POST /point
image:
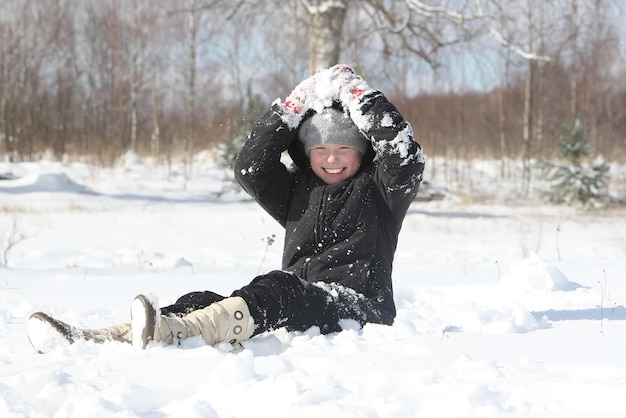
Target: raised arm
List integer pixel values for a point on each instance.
(258, 168)
(400, 158)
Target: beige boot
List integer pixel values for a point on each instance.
(47, 333)
(228, 320)
(119, 332)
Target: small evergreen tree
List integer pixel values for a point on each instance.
(577, 180)
(227, 151)
(229, 147)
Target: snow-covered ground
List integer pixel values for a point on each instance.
(505, 310)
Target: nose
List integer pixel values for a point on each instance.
(333, 157)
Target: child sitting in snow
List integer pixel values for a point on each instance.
(357, 171)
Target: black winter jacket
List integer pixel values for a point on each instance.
(344, 233)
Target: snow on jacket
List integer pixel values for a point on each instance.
(344, 233)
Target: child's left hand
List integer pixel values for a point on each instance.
(350, 86)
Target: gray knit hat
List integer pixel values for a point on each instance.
(331, 126)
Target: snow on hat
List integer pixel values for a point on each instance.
(331, 126)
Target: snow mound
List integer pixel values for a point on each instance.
(130, 160)
(500, 318)
(7, 176)
(43, 182)
(535, 275)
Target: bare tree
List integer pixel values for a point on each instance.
(155, 136)
(407, 24)
(100, 77)
(22, 53)
(326, 20)
(10, 236)
(135, 46)
(6, 75)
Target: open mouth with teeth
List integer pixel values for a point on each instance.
(334, 170)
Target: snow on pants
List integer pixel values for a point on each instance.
(281, 299)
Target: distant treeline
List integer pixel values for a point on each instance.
(101, 77)
(505, 123)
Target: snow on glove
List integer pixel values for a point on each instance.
(296, 102)
(339, 83)
(350, 86)
(311, 93)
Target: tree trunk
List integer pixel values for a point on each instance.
(326, 24)
(189, 133)
(575, 64)
(134, 83)
(6, 65)
(529, 123)
(155, 139)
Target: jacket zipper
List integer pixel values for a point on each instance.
(317, 229)
(319, 216)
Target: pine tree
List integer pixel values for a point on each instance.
(578, 179)
(229, 147)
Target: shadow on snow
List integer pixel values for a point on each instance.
(593, 314)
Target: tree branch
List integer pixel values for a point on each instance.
(498, 37)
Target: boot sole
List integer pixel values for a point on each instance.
(143, 315)
(46, 333)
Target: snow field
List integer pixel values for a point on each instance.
(503, 310)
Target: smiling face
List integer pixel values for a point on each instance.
(333, 163)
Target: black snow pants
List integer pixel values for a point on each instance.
(281, 299)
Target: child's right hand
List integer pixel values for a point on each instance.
(298, 100)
